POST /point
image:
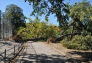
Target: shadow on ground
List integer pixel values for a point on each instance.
(42, 58)
(33, 58)
(85, 56)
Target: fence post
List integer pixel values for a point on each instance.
(5, 56)
(14, 49)
(18, 47)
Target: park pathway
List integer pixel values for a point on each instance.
(38, 52)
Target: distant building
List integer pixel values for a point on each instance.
(5, 27)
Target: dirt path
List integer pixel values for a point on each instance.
(38, 52)
(74, 56)
(9, 47)
(41, 52)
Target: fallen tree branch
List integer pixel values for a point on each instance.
(65, 35)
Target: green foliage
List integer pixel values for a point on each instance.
(36, 29)
(88, 25)
(48, 7)
(15, 15)
(79, 42)
(69, 30)
(81, 14)
(81, 11)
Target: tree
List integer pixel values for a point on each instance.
(81, 14)
(15, 15)
(47, 7)
(37, 29)
(81, 20)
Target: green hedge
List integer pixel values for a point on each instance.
(79, 42)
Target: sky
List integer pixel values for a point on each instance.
(27, 9)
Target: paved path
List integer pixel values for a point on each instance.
(38, 52)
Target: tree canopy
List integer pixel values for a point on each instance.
(16, 16)
(81, 14)
(37, 29)
(48, 7)
(81, 11)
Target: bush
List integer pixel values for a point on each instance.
(79, 42)
(38, 30)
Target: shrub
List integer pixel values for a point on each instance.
(38, 30)
(79, 42)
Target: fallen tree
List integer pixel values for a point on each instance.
(66, 35)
